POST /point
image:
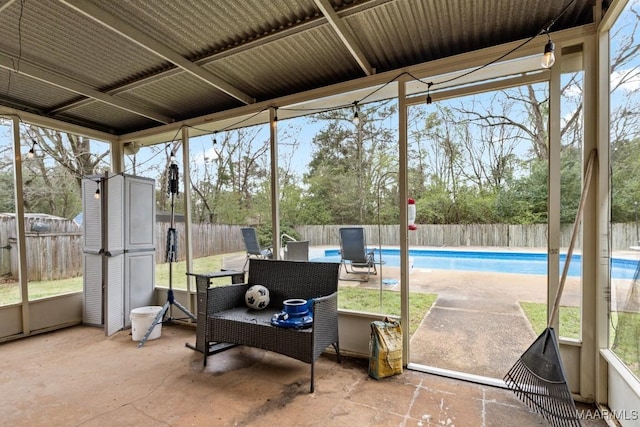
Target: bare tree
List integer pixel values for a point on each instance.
(225, 187)
(53, 172)
(72, 152)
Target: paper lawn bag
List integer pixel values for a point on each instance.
(385, 348)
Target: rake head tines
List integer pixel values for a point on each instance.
(538, 379)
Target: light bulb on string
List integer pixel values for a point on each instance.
(274, 123)
(97, 193)
(356, 117)
(429, 100)
(32, 151)
(214, 153)
(549, 57)
(172, 157)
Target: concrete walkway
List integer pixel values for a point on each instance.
(476, 324)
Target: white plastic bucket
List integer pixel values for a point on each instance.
(142, 319)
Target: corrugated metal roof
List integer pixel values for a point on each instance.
(108, 116)
(32, 95)
(131, 65)
(290, 65)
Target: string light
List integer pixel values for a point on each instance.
(214, 154)
(97, 193)
(549, 57)
(356, 118)
(32, 151)
(548, 61)
(274, 124)
(172, 157)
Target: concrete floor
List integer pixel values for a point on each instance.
(77, 377)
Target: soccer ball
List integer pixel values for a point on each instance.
(257, 297)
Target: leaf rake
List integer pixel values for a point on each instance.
(538, 377)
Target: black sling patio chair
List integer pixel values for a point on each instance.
(354, 254)
(252, 246)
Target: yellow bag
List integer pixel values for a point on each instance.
(385, 349)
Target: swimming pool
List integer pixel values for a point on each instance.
(491, 261)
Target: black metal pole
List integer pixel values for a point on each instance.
(171, 256)
(173, 190)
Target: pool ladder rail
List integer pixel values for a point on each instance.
(294, 252)
(284, 238)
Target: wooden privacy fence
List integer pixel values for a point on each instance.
(52, 256)
(58, 254)
(206, 240)
(52, 247)
(623, 235)
(499, 235)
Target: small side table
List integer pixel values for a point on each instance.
(203, 282)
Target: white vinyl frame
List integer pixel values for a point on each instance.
(554, 195)
(616, 388)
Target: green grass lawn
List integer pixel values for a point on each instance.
(349, 298)
(200, 265)
(10, 291)
(624, 338)
(624, 330)
(569, 319)
(368, 300)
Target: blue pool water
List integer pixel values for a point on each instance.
(498, 262)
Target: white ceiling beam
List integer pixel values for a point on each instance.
(25, 68)
(155, 47)
(47, 122)
(346, 36)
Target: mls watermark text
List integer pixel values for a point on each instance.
(606, 414)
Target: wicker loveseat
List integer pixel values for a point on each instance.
(228, 320)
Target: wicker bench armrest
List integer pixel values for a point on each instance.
(325, 307)
(325, 324)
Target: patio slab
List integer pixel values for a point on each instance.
(77, 376)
